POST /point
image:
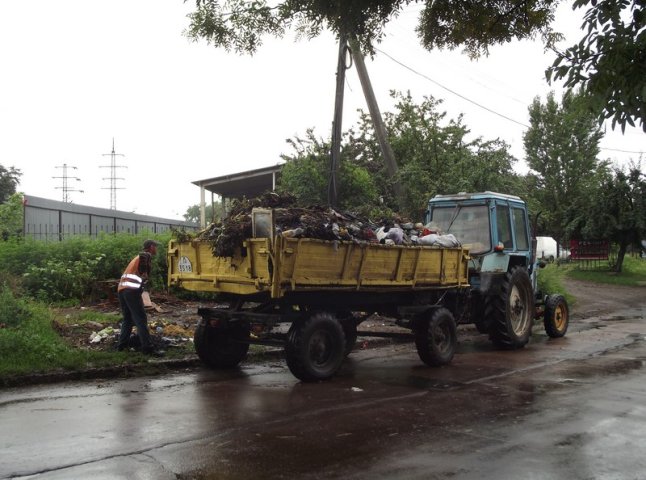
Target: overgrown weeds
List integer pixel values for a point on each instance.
(74, 268)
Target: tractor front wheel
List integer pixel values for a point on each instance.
(556, 317)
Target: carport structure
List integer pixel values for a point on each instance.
(249, 184)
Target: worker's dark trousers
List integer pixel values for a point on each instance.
(134, 314)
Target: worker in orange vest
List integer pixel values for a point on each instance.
(131, 286)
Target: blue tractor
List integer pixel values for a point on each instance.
(504, 299)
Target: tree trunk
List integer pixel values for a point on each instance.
(620, 256)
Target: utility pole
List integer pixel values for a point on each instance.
(375, 114)
(335, 148)
(65, 187)
(113, 176)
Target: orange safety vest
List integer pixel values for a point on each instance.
(131, 277)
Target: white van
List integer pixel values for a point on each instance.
(546, 249)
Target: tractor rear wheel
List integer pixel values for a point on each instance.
(511, 312)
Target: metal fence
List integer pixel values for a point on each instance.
(51, 220)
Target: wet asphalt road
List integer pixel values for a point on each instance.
(572, 408)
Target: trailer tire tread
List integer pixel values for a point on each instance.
(315, 347)
(436, 337)
(221, 349)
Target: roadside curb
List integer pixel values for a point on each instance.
(153, 367)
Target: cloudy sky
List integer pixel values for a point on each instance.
(77, 74)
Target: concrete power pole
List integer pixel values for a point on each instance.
(375, 114)
(65, 187)
(113, 176)
(335, 148)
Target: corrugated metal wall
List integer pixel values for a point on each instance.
(51, 220)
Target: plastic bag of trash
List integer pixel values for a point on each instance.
(97, 337)
(390, 236)
(447, 240)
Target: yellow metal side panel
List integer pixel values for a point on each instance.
(429, 268)
(380, 264)
(409, 264)
(312, 262)
(204, 272)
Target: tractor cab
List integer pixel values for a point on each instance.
(493, 226)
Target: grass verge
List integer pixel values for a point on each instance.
(551, 281)
(30, 344)
(33, 346)
(633, 273)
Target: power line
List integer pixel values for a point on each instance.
(426, 77)
(622, 151)
(452, 91)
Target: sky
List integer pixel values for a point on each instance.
(77, 75)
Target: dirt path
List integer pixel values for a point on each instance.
(594, 299)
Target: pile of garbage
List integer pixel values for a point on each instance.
(317, 222)
(165, 333)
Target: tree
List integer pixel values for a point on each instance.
(433, 154)
(609, 63)
(239, 25)
(305, 175)
(561, 146)
(434, 157)
(617, 211)
(9, 180)
(11, 217)
(212, 212)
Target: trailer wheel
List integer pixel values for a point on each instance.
(221, 348)
(315, 347)
(557, 316)
(436, 338)
(511, 312)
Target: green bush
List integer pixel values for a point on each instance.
(12, 310)
(59, 280)
(71, 269)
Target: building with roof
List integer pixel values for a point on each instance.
(52, 220)
(249, 184)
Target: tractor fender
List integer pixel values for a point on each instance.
(495, 263)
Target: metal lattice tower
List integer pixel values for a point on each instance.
(113, 176)
(65, 187)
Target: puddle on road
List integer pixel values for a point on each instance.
(431, 383)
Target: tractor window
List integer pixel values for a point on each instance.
(504, 225)
(469, 224)
(520, 229)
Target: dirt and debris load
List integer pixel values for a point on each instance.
(316, 221)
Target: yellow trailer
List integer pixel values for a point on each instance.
(280, 266)
(309, 296)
